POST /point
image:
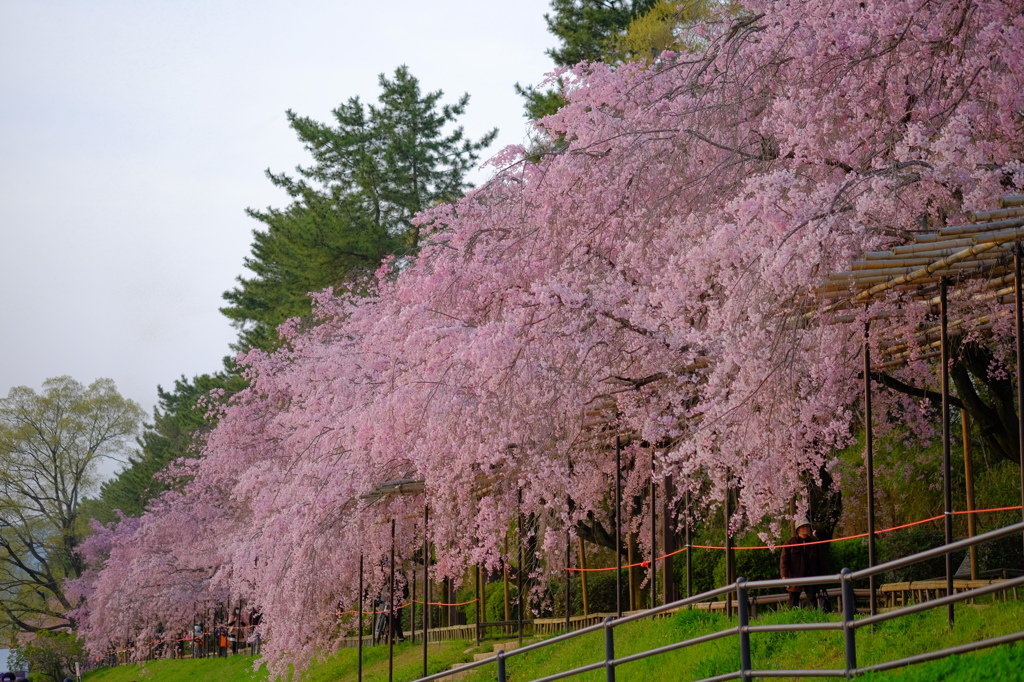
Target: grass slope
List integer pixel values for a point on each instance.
(891, 640)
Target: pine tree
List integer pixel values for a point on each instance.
(374, 167)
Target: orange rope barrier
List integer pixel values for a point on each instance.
(645, 564)
(409, 603)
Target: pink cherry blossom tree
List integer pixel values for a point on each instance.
(641, 275)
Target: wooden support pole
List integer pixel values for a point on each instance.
(869, 460)
(479, 603)
(631, 572)
(618, 525)
(504, 566)
(669, 593)
(568, 579)
(689, 550)
(946, 439)
(359, 677)
(654, 538)
(1018, 254)
(392, 611)
(412, 606)
(583, 576)
(426, 586)
(969, 483)
(727, 515)
(522, 566)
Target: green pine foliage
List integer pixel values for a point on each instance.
(374, 167)
(178, 421)
(588, 29)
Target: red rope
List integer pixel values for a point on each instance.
(645, 564)
(408, 604)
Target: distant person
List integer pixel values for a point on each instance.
(255, 617)
(802, 557)
(195, 645)
(236, 630)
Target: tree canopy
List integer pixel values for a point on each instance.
(50, 446)
(643, 279)
(180, 419)
(375, 166)
(588, 29)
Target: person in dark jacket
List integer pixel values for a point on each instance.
(803, 557)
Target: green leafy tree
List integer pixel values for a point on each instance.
(177, 423)
(374, 167)
(665, 26)
(51, 444)
(49, 656)
(587, 30)
(613, 31)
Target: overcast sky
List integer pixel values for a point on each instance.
(134, 134)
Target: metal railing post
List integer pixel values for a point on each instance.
(744, 618)
(849, 610)
(501, 666)
(609, 650)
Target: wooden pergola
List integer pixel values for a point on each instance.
(987, 252)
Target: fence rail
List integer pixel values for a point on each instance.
(743, 630)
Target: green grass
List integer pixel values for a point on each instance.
(894, 639)
(341, 666)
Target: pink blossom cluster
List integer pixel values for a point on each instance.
(638, 275)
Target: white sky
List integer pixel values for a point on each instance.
(134, 134)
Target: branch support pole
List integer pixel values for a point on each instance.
(946, 439)
(654, 538)
(1018, 253)
(426, 584)
(869, 456)
(360, 644)
(618, 526)
(391, 613)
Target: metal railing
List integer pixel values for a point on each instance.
(743, 629)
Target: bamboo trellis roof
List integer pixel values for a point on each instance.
(981, 250)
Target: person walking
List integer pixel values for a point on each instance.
(802, 557)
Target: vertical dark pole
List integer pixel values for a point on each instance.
(476, 573)
(849, 610)
(583, 575)
(522, 569)
(504, 579)
(412, 606)
(869, 455)
(391, 612)
(618, 526)
(669, 592)
(426, 586)
(360, 644)
(1019, 306)
(947, 492)
(728, 542)
(568, 575)
(609, 649)
(449, 611)
(654, 538)
(373, 621)
(744, 622)
(501, 666)
(965, 429)
(689, 550)
(483, 601)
